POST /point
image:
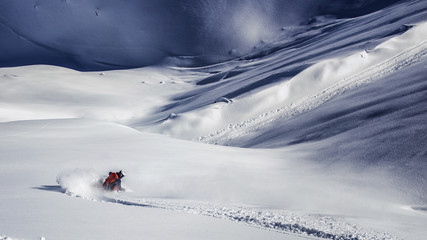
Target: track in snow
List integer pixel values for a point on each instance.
(279, 220)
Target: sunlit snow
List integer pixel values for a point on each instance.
(233, 119)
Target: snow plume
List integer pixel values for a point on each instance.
(81, 183)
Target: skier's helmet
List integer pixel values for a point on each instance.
(122, 173)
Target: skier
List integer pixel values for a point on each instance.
(113, 182)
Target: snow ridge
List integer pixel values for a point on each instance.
(403, 59)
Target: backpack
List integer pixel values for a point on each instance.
(110, 180)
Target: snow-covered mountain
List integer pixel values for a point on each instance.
(104, 34)
(319, 106)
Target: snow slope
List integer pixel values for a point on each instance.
(98, 35)
(35, 153)
(321, 112)
(164, 175)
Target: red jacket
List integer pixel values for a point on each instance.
(108, 183)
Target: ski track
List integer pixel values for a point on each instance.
(278, 220)
(322, 226)
(387, 67)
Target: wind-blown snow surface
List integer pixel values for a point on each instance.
(105, 34)
(330, 114)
